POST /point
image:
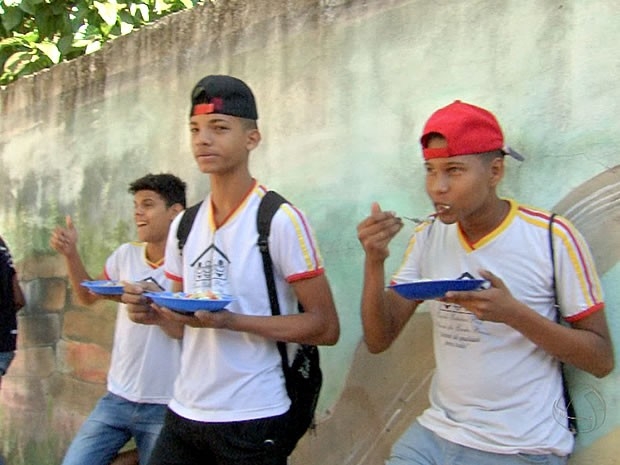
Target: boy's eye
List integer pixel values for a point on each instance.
(144, 205)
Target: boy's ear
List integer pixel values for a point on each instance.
(497, 170)
(175, 209)
(253, 139)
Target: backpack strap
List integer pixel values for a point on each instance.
(185, 225)
(570, 408)
(553, 283)
(268, 207)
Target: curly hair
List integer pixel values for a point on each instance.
(170, 187)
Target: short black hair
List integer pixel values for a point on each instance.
(488, 157)
(170, 187)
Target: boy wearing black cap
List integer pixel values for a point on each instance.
(498, 351)
(230, 399)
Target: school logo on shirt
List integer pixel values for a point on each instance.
(211, 270)
(458, 327)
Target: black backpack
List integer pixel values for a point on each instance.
(303, 377)
(8, 304)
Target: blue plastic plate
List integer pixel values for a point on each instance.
(104, 287)
(179, 302)
(424, 290)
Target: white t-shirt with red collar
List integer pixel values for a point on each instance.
(228, 375)
(494, 389)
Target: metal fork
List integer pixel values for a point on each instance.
(420, 220)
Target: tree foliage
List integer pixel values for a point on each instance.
(36, 34)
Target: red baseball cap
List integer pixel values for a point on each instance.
(468, 130)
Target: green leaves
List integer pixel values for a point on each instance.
(35, 34)
(11, 17)
(109, 11)
(50, 50)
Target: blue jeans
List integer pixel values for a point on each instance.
(5, 360)
(420, 446)
(110, 425)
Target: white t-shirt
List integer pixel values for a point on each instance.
(145, 360)
(228, 375)
(493, 389)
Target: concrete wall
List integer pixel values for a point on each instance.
(343, 88)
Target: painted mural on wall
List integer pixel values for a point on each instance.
(342, 90)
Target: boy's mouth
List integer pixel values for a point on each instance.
(442, 208)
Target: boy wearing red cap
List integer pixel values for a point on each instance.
(498, 351)
(230, 400)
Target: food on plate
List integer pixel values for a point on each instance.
(208, 294)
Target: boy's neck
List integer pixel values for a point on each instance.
(491, 217)
(155, 251)
(227, 193)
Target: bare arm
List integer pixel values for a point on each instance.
(318, 324)
(64, 241)
(384, 313)
(585, 345)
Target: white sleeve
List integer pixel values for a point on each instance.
(293, 246)
(577, 282)
(173, 261)
(114, 264)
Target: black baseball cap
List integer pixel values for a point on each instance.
(225, 95)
